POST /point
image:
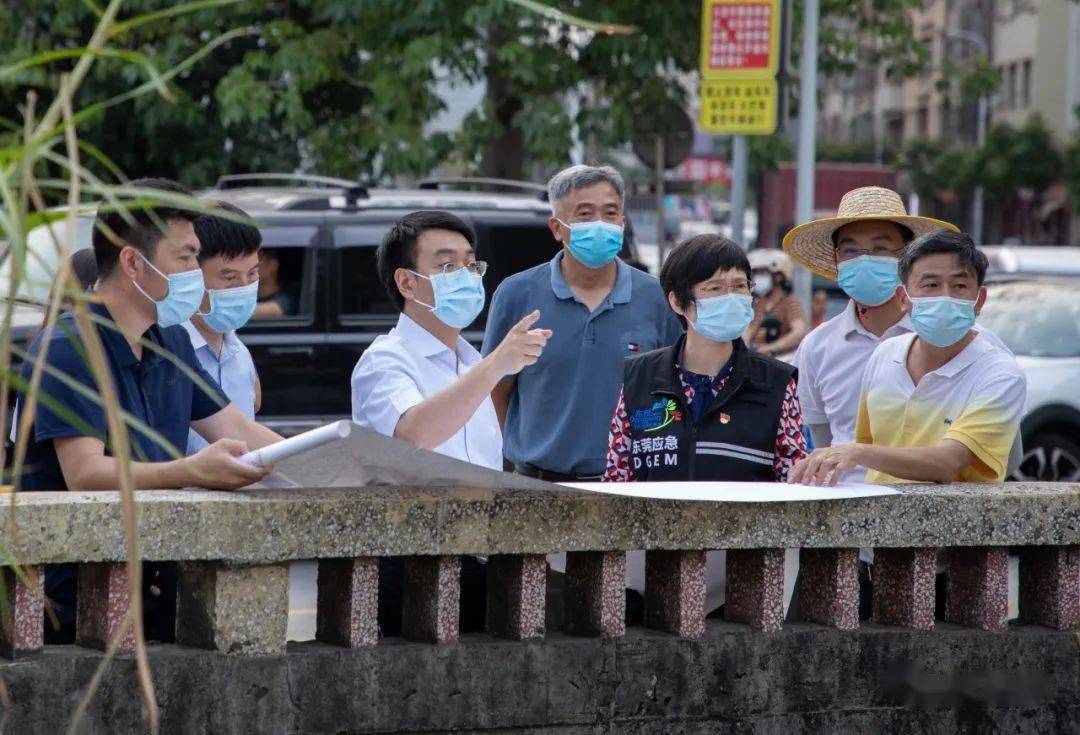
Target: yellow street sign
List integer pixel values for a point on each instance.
(740, 39)
(739, 106)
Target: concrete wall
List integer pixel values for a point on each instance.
(911, 667)
(731, 680)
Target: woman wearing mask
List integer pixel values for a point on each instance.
(706, 408)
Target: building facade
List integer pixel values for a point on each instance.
(1034, 43)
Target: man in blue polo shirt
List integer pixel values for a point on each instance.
(149, 283)
(599, 310)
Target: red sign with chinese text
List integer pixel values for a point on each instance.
(740, 36)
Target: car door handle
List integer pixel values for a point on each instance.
(292, 350)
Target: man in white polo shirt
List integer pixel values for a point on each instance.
(943, 404)
(860, 247)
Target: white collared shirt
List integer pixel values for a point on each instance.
(831, 361)
(234, 372)
(401, 369)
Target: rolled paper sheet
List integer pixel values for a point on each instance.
(278, 451)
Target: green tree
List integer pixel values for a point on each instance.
(1025, 158)
(936, 168)
(1071, 171)
(349, 88)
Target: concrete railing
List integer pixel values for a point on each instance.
(234, 550)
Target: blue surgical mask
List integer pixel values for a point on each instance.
(230, 308)
(870, 279)
(941, 320)
(724, 318)
(183, 298)
(596, 243)
(459, 297)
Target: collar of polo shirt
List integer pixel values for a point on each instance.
(619, 295)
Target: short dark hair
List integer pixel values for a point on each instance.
(697, 259)
(959, 244)
(84, 266)
(226, 237)
(398, 246)
(138, 227)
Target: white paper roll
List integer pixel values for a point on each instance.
(278, 451)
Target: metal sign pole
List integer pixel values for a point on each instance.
(660, 228)
(804, 207)
(739, 175)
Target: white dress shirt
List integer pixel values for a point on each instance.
(234, 372)
(401, 369)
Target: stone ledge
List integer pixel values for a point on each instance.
(267, 525)
(804, 679)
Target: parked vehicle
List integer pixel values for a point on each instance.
(324, 234)
(1039, 320)
(1010, 261)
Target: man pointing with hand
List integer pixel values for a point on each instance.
(423, 382)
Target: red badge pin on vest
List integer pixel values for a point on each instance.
(725, 419)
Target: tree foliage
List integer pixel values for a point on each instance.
(352, 88)
(1025, 158)
(1020, 158)
(1071, 171)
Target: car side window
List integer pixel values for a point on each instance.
(361, 292)
(510, 249)
(284, 285)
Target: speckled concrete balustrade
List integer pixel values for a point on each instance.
(233, 549)
(583, 668)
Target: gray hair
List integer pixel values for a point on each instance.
(578, 177)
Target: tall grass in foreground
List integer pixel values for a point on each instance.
(44, 184)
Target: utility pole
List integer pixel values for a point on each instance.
(740, 165)
(804, 196)
(661, 229)
(980, 131)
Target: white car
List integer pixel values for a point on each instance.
(1039, 320)
(1032, 260)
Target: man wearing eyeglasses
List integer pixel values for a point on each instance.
(423, 382)
(860, 248)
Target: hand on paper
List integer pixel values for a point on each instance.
(521, 347)
(218, 466)
(825, 466)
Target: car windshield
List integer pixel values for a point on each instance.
(1035, 319)
(41, 260)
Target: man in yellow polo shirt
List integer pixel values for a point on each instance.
(940, 405)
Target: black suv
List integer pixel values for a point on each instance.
(325, 232)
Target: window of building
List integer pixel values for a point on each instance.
(1010, 87)
(922, 121)
(1025, 84)
(894, 130)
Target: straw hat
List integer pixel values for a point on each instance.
(812, 243)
